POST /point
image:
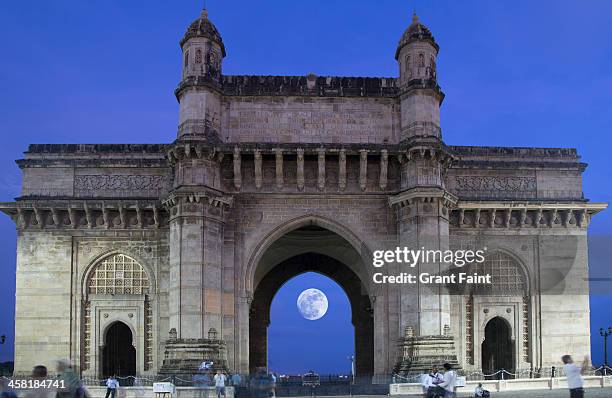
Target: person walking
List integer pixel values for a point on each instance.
(111, 386)
(449, 381)
(573, 373)
(220, 383)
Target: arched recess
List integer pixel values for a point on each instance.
(361, 307)
(507, 298)
(116, 288)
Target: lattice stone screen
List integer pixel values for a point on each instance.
(118, 274)
(507, 277)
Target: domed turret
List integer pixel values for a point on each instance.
(421, 96)
(203, 48)
(198, 92)
(416, 53)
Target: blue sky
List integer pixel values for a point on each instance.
(519, 73)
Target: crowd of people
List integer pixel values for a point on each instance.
(262, 384)
(443, 385)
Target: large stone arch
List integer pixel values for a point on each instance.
(362, 292)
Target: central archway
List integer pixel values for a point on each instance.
(308, 245)
(361, 307)
(119, 354)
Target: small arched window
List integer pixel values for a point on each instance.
(407, 65)
(118, 274)
(422, 60)
(198, 56)
(186, 58)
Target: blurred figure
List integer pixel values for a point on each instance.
(40, 373)
(236, 380)
(481, 392)
(220, 379)
(72, 387)
(573, 372)
(430, 383)
(5, 390)
(111, 386)
(449, 381)
(273, 385)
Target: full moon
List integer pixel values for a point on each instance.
(312, 304)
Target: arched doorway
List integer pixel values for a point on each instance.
(497, 347)
(312, 249)
(119, 355)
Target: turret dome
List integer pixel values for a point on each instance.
(416, 32)
(203, 27)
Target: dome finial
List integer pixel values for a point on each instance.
(415, 17)
(204, 10)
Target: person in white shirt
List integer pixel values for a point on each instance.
(430, 381)
(480, 392)
(220, 383)
(449, 381)
(111, 386)
(573, 373)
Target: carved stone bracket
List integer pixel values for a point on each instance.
(300, 169)
(363, 169)
(342, 170)
(384, 165)
(280, 179)
(321, 169)
(258, 169)
(237, 168)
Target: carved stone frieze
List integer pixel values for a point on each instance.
(119, 185)
(494, 183)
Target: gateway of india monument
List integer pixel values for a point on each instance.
(144, 259)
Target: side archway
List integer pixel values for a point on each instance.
(116, 291)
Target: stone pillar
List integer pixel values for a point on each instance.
(423, 224)
(195, 286)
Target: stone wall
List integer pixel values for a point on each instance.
(310, 120)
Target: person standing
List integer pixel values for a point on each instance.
(272, 385)
(573, 372)
(220, 383)
(111, 386)
(449, 381)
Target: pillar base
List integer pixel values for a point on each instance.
(185, 356)
(419, 353)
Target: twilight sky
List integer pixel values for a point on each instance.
(518, 73)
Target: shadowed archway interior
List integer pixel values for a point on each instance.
(361, 307)
(497, 347)
(119, 355)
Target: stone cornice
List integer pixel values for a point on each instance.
(529, 214)
(86, 214)
(308, 86)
